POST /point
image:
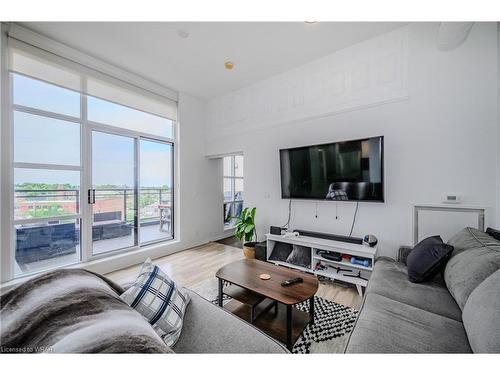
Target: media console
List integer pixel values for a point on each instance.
(341, 270)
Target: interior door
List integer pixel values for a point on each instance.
(113, 196)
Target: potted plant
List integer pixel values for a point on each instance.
(245, 231)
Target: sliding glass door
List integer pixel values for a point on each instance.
(113, 196)
(156, 192)
(131, 195)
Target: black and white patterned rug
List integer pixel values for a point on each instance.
(332, 324)
(329, 333)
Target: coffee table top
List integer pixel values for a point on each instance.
(245, 273)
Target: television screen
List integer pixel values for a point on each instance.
(340, 171)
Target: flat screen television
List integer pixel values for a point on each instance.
(339, 171)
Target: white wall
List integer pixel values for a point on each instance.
(201, 201)
(441, 132)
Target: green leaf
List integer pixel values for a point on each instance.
(252, 214)
(245, 224)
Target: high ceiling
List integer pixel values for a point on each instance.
(194, 63)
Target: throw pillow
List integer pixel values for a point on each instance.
(427, 258)
(300, 256)
(494, 233)
(159, 300)
(281, 251)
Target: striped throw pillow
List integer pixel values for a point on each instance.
(159, 300)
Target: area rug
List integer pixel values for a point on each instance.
(329, 333)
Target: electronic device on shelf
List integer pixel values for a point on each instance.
(291, 234)
(329, 236)
(292, 281)
(330, 255)
(275, 230)
(370, 240)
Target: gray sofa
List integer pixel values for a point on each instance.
(457, 312)
(78, 311)
(209, 329)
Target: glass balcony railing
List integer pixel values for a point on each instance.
(47, 231)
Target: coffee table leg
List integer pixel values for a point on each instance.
(220, 293)
(289, 343)
(311, 310)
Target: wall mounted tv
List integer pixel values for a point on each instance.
(340, 171)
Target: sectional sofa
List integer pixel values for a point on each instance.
(457, 312)
(72, 310)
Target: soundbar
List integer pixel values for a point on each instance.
(328, 236)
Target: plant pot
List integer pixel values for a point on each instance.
(249, 250)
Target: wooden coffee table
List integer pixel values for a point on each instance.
(285, 323)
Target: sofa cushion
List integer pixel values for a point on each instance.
(476, 256)
(388, 326)
(210, 329)
(482, 316)
(427, 258)
(390, 279)
(159, 300)
(470, 238)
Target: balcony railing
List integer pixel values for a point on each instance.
(51, 203)
(45, 228)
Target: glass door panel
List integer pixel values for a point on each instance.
(113, 194)
(156, 198)
(46, 219)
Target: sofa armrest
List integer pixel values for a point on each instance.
(403, 253)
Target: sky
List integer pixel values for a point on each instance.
(45, 140)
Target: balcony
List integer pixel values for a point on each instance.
(47, 236)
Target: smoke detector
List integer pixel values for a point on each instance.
(182, 34)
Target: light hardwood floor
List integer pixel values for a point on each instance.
(191, 267)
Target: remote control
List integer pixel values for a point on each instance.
(292, 281)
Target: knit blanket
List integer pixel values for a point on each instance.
(73, 311)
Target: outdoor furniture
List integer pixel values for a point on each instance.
(109, 225)
(165, 216)
(41, 242)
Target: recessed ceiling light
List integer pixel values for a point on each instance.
(183, 33)
(310, 21)
(228, 65)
